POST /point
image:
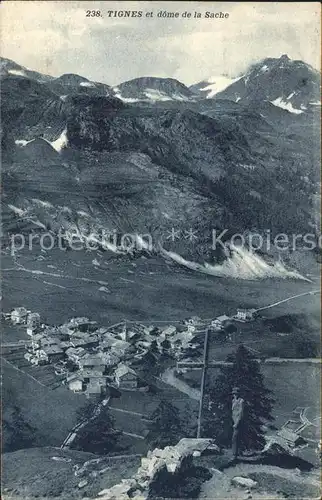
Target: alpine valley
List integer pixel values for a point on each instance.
(167, 168)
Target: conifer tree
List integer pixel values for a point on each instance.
(21, 433)
(165, 426)
(97, 435)
(217, 415)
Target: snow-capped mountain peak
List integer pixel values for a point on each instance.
(152, 89)
(217, 84)
(288, 84)
(11, 68)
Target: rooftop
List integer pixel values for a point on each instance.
(92, 374)
(75, 351)
(20, 311)
(221, 318)
(289, 435)
(123, 369)
(75, 376)
(52, 349)
(92, 360)
(74, 322)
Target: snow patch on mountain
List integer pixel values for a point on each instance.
(126, 99)
(118, 94)
(217, 84)
(17, 210)
(156, 95)
(42, 203)
(17, 72)
(87, 84)
(82, 213)
(243, 264)
(286, 105)
(61, 142)
(150, 95)
(22, 142)
(264, 68)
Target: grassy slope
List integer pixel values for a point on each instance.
(33, 472)
(51, 412)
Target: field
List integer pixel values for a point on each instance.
(61, 284)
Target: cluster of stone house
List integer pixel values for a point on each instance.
(242, 315)
(176, 341)
(91, 359)
(245, 315)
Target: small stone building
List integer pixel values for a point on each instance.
(219, 322)
(19, 316)
(33, 323)
(75, 382)
(125, 377)
(245, 314)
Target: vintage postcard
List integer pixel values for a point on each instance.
(161, 250)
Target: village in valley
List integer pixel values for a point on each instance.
(120, 370)
(102, 361)
(90, 358)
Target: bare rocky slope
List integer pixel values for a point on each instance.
(141, 166)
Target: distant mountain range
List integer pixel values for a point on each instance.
(152, 153)
(290, 85)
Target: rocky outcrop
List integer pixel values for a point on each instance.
(170, 460)
(243, 482)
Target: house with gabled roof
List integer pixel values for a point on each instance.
(219, 322)
(51, 353)
(92, 361)
(125, 377)
(75, 382)
(19, 315)
(75, 354)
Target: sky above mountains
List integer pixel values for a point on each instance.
(57, 37)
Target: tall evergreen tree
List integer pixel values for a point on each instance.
(217, 415)
(20, 433)
(98, 435)
(165, 427)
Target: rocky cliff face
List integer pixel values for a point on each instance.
(160, 466)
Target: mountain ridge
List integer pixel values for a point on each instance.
(211, 154)
(292, 81)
